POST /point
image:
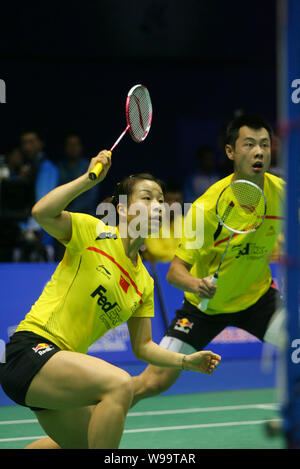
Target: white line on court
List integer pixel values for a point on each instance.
(266, 406)
(21, 438)
(161, 429)
(203, 409)
(203, 425)
(16, 422)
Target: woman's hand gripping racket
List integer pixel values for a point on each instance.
(138, 110)
(241, 208)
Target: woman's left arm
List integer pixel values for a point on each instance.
(146, 350)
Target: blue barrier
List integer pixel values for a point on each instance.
(22, 284)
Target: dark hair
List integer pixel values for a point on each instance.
(34, 131)
(203, 150)
(172, 186)
(126, 186)
(253, 121)
(70, 135)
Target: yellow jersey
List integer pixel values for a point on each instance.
(245, 274)
(162, 248)
(94, 288)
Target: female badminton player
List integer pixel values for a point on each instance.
(81, 401)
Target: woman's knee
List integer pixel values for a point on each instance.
(157, 380)
(122, 387)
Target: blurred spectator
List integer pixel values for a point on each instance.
(43, 174)
(226, 166)
(276, 167)
(162, 249)
(204, 175)
(16, 200)
(14, 161)
(73, 165)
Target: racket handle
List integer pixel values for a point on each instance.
(96, 171)
(203, 304)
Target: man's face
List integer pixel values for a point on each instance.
(251, 154)
(31, 145)
(73, 147)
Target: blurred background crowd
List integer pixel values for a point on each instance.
(67, 70)
(28, 172)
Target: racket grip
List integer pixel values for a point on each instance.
(96, 171)
(203, 304)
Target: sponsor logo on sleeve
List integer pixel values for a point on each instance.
(106, 235)
(42, 348)
(183, 325)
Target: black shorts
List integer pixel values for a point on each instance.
(198, 329)
(25, 354)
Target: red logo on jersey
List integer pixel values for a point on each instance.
(124, 284)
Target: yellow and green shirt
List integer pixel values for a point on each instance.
(245, 273)
(162, 248)
(94, 288)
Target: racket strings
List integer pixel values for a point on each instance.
(139, 113)
(241, 207)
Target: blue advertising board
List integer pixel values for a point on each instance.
(22, 284)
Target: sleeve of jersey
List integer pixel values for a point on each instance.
(84, 229)
(193, 234)
(146, 310)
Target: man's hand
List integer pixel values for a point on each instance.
(204, 287)
(203, 362)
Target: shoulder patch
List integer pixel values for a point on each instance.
(106, 235)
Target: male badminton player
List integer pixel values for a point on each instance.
(81, 401)
(245, 296)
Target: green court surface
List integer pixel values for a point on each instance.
(217, 420)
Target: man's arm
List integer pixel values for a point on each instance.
(179, 277)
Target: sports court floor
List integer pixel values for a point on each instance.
(214, 420)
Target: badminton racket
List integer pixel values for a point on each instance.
(138, 111)
(241, 208)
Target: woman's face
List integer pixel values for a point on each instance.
(145, 209)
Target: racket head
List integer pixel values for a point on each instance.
(138, 110)
(241, 207)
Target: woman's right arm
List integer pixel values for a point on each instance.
(49, 210)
